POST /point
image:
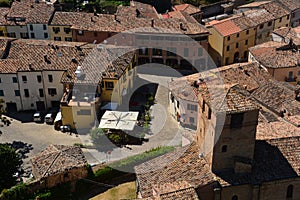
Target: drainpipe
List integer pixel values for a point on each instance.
(45, 98)
(20, 91)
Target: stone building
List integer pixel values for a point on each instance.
(59, 164)
(237, 154)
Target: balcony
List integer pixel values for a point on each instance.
(290, 79)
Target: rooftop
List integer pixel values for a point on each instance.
(29, 12)
(183, 165)
(66, 18)
(275, 9)
(137, 9)
(57, 159)
(276, 55)
(291, 5)
(259, 16)
(226, 27)
(3, 13)
(188, 8)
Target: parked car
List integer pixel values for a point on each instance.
(50, 116)
(38, 116)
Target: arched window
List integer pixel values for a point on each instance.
(224, 148)
(289, 192)
(235, 197)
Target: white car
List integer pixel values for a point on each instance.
(37, 117)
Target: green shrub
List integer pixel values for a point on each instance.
(18, 192)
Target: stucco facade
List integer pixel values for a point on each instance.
(60, 33)
(16, 31)
(38, 31)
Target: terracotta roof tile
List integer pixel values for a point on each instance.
(259, 16)
(3, 13)
(227, 27)
(275, 55)
(291, 5)
(188, 8)
(57, 159)
(66, 18)
(275, 9)
(29, 12)
(181, 165)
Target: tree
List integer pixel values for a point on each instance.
(10, 163)
(98, 137)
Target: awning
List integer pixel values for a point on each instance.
(110, 106)
(58, 117)
(119, 120)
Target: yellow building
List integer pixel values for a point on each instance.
(230, 39)
(60, 26)
(95, 84)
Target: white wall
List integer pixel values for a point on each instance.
(9, 88)
(38, 30)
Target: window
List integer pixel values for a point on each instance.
(56, 29)
(39, 78)
(289, 192)
(203, 106)
(67, 30)
(46, 35)
(209, 114)
(200, 51)
(68, 39)
(227, 48)
(17, 93)
(280, 20)
(237, 120)
(109, 85)
(246, 42)
(14, 79)
(299, 72)
(41, 92)
(44, 27)
(270, 23)
(50, 78)
(1, 93)
(235, 197)
(261, 26)
(226, 60)
(11, 35)
(32, 35)
(186, 52)
(224, 148)
(52, 91)
(237, 45)
(24, 78)
(178, 104)
(288, 17)
(245, 54)
(57, 38)
(157, 51)
(80, 32)
(237, 35)
(1, 33)
(31, 27)
(247, 32)
(192, 120)
(228, 38)
(192, 107)
(290, 74)
(0, 80)
(84, 112)
(24, 35)
(26, 92)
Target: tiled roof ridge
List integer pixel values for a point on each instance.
(283, 139)
(53, 161)
(191, 188)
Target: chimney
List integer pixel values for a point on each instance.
(138, 13)
(152, 22)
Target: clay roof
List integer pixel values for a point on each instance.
(3, 13)
(227, 27)
(29, 12)
(254, 4)
(183, 165)
(275, 55)
(259, 16)
(187, 193)
(287, 32)
(107, 61)
(66, 18)
(188, 8)
(137, 8)
(275, 9)
(57, 159)
(243, 22)
(38, 55)
(290, 4)
(277, 98)
(107, 23)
